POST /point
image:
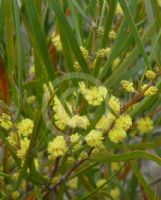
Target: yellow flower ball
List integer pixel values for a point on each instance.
(150, 75)
(93, 95)
(105, 122)
(79, 121)
(112, 35)
(25, 127)
(56, 41)
(85, 53)
(117, 135)
(60, 115)
(83, 155)
(57, 147)
(103, 53)
(128, 86)
(94, 138)
(145, 125)
(114, 104)
(124, 122)
(5, 121)
(21, 153)
(74, 137)
(151, 91)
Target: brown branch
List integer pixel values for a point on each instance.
(69, 172)
(55, 168)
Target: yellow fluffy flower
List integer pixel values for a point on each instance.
(145, 125)
(31, 99)
(57, 147)
(105, 122)
(103, 53)
(21, 153)
(77, 66)
(5, 121)
(25, 127)
(60, 115)
(79, 121)
(117, 135)
(74, 137)
(83, 155)
(114, 104)
(94, 95)
(151, 91)
(124, 122)
(56, 41)
(128, 86)
(150, 75)
(115, 193)
(112, 35)
(94, 138)
(12, 138)
(85, 53)
(48, 90)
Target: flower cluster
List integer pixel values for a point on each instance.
(19, 137)
(57, 147)
(85, 53)
(112, 35)
(150, 90)
(24, 130)
(117, 135)
(114, 104)
(118, 132)
(124, 122)
(94, 138)
(105, 122)
(5, 121)
(150, 75)
(77, 66)
(103, 53)
(62, 119)
(60, 115)
(75, 141)
(93, 95)
(24, 145)
(128, 86)
(55, 38)
(25, 127)
(145, 125)
(79, 121)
